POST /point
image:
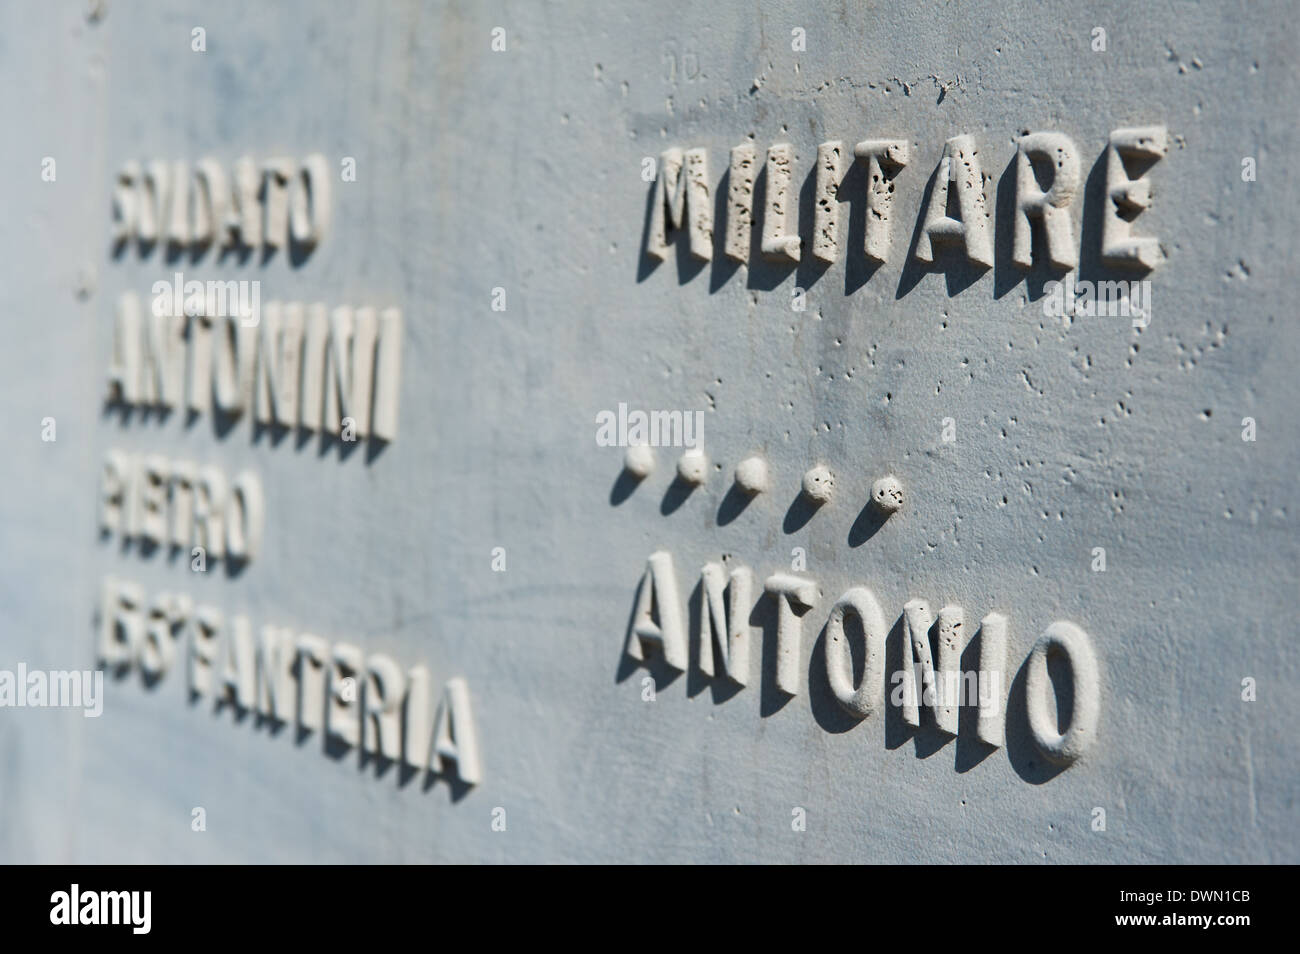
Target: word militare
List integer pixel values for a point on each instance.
(958, 214)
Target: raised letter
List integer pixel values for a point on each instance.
(313, 653)
(992, 679)
(682, 200)
(885, 157)
(725, 624)
(826, 210)
(863, 699)
(778, 243)
(740, 201)
(789, 590)
(454, 738)
(239, 673)
(1070, 640)
(275, 657)
(279, 364)
(121, 622)
(245, 512)
(388, 375)
(658, 619)
(958, 169)
(124, 368)
(381, 729)
(1126, 197)
(1051, 207)
(204, 633)
(343, 718)
(312, 180)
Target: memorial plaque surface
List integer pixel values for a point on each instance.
(795, 432)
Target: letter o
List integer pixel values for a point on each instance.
(860, 700)
(1069, 639)
(244, 515)
(310, 182)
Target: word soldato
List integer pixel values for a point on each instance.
(659, 623)
(254, 206)
(337, 371)
(683, 199)
(287, 676)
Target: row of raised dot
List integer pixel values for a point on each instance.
(752, 476)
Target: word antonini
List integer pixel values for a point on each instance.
(300, 365)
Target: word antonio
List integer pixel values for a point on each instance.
(958, 212)
(300, 365)
(356, 699)
(659, 623)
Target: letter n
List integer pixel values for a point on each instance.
(724, 624)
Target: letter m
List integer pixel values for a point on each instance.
(65, 689)
(120, 902)
(682, 198)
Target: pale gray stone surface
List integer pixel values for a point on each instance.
(521, 170)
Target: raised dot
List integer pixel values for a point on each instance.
(887, 493)
(819, 484)
(639, 461)
(693, 466)
(751, 475)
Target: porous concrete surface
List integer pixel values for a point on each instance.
(522, 170)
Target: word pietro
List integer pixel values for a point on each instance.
(157, 501)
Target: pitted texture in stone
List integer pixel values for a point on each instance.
(819, 484)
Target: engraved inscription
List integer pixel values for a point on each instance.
(160, 501)
(254, 206)
(856, 627)
(300, 366)
(958, 212)
(288, 677)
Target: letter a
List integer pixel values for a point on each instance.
(659, 619)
